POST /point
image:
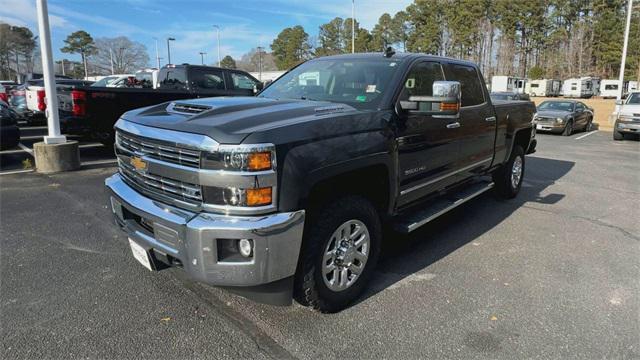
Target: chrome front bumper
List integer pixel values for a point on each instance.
(192, 238)
(628, 126)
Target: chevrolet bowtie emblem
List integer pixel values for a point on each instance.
(139, 164)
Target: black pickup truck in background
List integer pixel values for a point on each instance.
(92, 111)
(285, 194)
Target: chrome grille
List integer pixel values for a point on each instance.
(187, 192)
(157, 150)
(545, 120)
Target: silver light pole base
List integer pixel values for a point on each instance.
(53, 158)
(55, 139)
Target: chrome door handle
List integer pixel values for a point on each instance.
(490, 119)
(454, 125)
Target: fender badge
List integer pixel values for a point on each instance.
(139, 164)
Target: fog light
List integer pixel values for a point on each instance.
(246, 247)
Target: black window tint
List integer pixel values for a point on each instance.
(210, 79)
(420, 80)
(175, 78)
(241, 81)
(472, 93)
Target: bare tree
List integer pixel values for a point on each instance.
(128, 56)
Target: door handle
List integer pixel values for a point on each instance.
(454, 125)
(490, 119)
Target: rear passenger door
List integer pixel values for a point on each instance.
(477, 121)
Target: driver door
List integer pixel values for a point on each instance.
(427, 145)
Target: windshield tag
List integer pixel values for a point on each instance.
(361, 98)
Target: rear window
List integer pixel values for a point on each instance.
(472, 93)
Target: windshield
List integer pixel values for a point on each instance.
(359, 83)
(104, 81)
(556, 105)
(634, 99)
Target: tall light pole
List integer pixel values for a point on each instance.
(111, 54)
(169, 49)
(157, 53)
(218, 32)
(624, 51)
(53, 123)
(353, 26)
(260, 62)
(202, 54)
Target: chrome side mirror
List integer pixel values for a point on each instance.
(445, 100)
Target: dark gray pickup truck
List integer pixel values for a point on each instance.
(284, 196)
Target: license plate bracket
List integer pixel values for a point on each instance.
(140, 254)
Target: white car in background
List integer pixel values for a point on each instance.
(628, 117)
(117, 80)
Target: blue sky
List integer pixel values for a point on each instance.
(244, 24)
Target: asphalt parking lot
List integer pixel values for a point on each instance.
(551, 274)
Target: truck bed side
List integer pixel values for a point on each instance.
(513, 116)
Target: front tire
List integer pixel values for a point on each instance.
(617, 135)
(568, 129)
(508, 178)
(339, 254)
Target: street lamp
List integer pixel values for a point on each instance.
(202, 54)
(169, 49)
(624, 51)
(157, 54)
(353, 26)
(218, 32)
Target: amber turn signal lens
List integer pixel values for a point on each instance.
(258, 197)
(259, 161)
(448, 107)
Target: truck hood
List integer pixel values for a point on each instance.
(630, 109)
(553, 113)
(229, 120)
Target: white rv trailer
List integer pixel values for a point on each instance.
(508, 84)
(544, 87)
(578, 87)
(631, 86)
(609, 88)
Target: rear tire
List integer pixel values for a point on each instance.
(589, 125)
(508, 178)
(344, 235)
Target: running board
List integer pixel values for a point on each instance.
(412, 221)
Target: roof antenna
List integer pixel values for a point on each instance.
(389, 52)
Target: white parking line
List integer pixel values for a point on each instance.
(90, 145)
(99, 162)
(587, 134)
(33, 127)
(12, 151)
(15, 172)
(26, 149)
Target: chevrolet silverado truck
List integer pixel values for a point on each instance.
(285, 195)
(92, 111)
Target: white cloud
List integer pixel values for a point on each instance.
(23, 13)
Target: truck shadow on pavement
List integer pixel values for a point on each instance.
(405, 257)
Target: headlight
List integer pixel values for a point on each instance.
(559, 120)
(625, 117)
(257, 161)
(241, 158)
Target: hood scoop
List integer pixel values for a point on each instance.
(329, 109)
(185, 108)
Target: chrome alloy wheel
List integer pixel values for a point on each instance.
(346, 255)
(516, 172)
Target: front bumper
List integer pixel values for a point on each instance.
(554, 127)
(192, 239)
(628, 126)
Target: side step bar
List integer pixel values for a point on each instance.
(412, 221)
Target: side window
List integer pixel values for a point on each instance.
(241, 81)
(174, 79)
(420, 80)
(209, 79)
(469, 79)
(579, 107)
